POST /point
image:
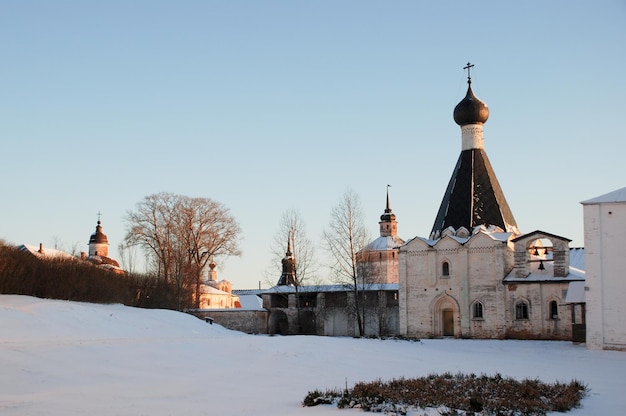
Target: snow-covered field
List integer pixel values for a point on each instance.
(66, 358)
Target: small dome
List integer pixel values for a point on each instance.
(98, 237)
(471, 110)
(388, 216)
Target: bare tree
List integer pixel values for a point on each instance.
(127, 256)
(181, 234)
(345, 237)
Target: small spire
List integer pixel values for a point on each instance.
(288, 253)
(388, 209)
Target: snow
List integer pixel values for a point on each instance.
(68, 358)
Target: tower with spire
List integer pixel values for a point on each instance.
(473, 196)
(288, 275)
(382, 253)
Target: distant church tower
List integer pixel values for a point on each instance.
(473, 196)
(382, 253)
(98, 243)
(288, 276)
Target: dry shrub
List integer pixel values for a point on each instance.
(487, 395)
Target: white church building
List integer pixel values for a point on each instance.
(476, 275)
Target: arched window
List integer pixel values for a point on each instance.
(445, 268)
(477, 310)
(554, 310)
(521, 310)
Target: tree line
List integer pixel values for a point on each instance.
(180, 236)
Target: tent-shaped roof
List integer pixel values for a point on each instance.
(611, 197)
(473, 196)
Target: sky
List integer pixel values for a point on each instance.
(267, 106)
(67, 358)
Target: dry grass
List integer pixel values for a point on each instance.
(452, 393)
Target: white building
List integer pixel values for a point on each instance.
(476, 275)
(605, 258)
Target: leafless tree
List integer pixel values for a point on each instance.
(128, 256)
(345, 237)
(181, 234)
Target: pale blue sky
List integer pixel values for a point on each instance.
(271, 105)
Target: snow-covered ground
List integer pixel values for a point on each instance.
(66, 358)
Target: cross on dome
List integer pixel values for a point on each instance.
(469, 68)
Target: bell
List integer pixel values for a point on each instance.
(541, 266)
(536, 252)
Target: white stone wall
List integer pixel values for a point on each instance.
(476, 272)
(605, 264)
(99, 249)
(540, 324)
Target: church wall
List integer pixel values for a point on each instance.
(217, 300)
(414, 270)
(605, 260)
(476, 273)
(101, 249)
(539, 324)
(487, 268)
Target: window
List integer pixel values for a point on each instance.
(477, 311)
(307, 300)
(279, 301)
(554, 310)
(521, 310)
(445, 269)
(392, 298)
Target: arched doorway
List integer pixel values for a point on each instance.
(445, 311)
(447, 318)
(307, 322)
(279, 324)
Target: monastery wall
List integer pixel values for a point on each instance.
(248, 321)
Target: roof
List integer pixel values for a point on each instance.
(250, 303)
(244, 292)
(611, 197)
(331, 288)
(204, 288)
(98, 237)
(45, 252)
(473, 197)
(492, 232)
(384, 243)
(536, 232)
(575, 292)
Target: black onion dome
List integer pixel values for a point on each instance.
(98, 237)
(388, 216)
(471, 110)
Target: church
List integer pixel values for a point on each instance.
(476, 275)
